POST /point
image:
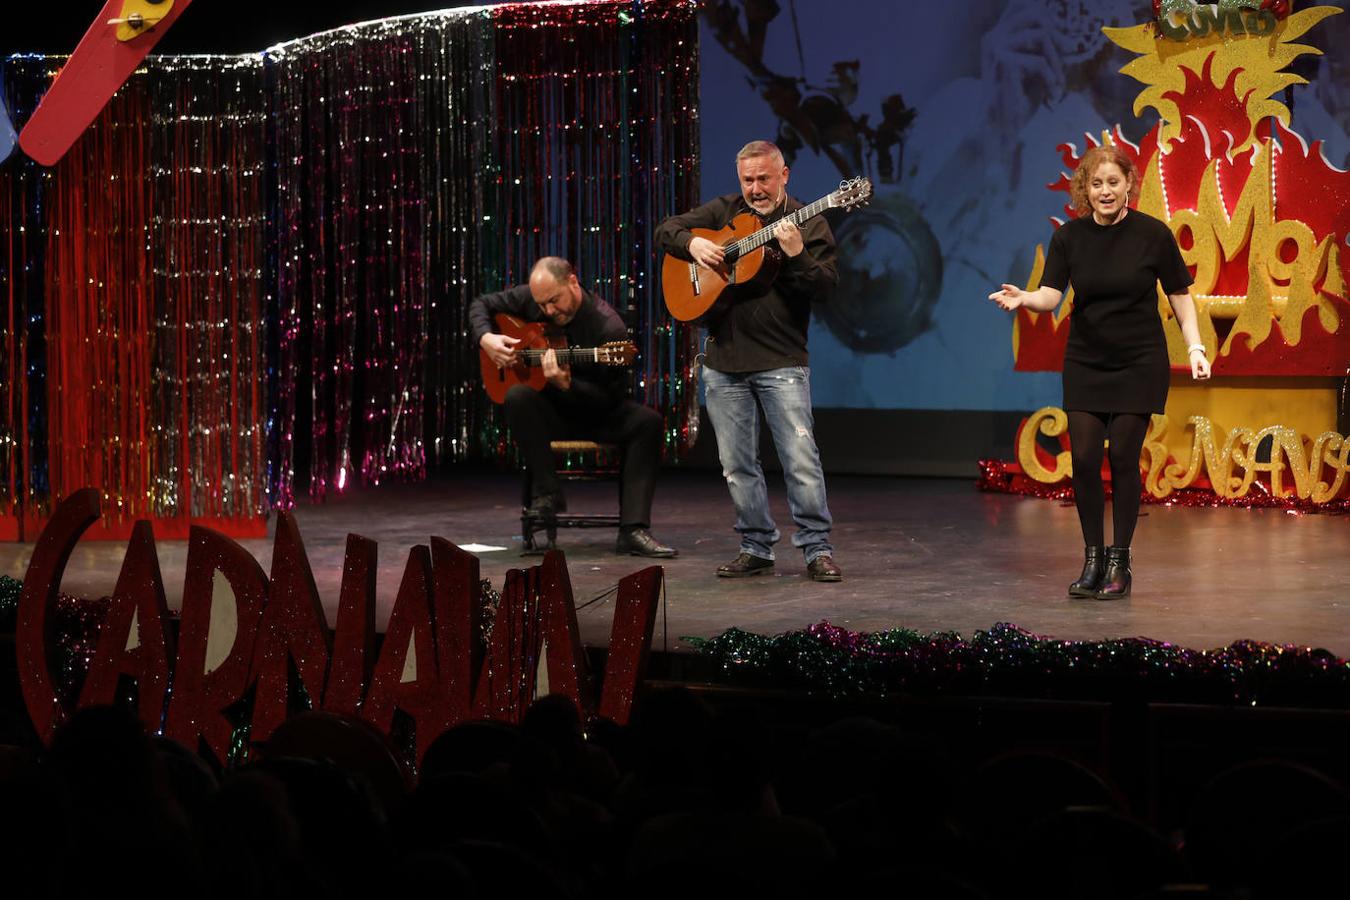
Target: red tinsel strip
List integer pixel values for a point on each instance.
(98, 301)
(155, 335)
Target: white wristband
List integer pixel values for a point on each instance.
(1194, 347)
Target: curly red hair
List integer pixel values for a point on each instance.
(1106, 153)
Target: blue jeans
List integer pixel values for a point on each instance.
(785, 397)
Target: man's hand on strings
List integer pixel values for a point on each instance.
(500, 349)
(558, 376)
(706, 253)
(789, 237)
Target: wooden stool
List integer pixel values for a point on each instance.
(604, 465)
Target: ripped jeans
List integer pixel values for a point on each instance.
(785, 397)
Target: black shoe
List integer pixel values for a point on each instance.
(639, 542)
(743, 566)
(822, 568)
(1094, 566)
(1116, 579)
(546, 507)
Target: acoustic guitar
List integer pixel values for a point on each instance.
(690, 290)
(534, 343)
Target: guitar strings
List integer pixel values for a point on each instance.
(607, 352)
(760, 237)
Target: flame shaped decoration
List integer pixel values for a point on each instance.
(1252, 66)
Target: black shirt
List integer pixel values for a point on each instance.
(595, 388)
(754, 334)
(1115, 270)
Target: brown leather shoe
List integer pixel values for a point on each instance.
(744, 566)
(822, 568)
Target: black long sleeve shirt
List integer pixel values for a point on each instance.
(595, 388)
(768, 331)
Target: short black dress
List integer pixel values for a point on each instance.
(1116, 358)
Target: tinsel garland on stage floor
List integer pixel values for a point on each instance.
(75, 626)
(1001, 477)
(1004, 661)
(252, 273)
(1007, 661)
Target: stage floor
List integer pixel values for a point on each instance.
(927, 554)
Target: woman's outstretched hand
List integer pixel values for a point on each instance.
(1010, 296)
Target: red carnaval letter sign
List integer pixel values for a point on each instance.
(434, 665)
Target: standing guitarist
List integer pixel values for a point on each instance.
(756, 357)
(588, 404)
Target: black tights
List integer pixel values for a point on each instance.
(1087, 432)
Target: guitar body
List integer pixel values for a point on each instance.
(497, 380)
(690, 290)
(751, 256)
(536, 339)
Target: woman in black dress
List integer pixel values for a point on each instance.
(1115, 365)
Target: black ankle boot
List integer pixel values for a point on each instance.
(1094, 564)
(1116, 580)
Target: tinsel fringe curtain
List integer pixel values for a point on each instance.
(250, 278)
(133, 277)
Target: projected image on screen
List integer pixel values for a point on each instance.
(955, 114)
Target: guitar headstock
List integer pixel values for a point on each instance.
(852, 192)
(616, 353)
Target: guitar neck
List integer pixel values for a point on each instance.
(761, 237)
(566, 355)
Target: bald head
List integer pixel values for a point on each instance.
(554, 286)
(556, 266)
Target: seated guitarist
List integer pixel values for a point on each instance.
(589, 404)
(756, 361)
